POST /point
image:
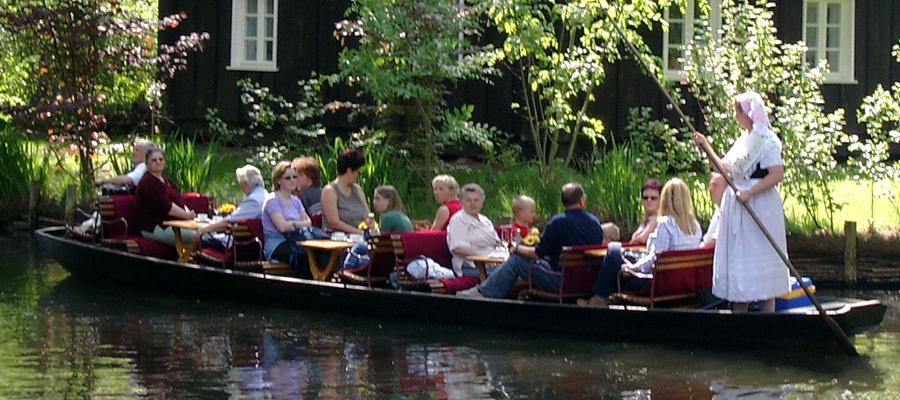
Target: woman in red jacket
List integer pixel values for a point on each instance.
(158, 199)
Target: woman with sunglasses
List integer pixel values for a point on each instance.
(283, 214)
(650, 200)
(158, 199)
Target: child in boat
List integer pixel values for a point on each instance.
(386, 201)
(523, 214)
(446, 191)
(611, 232)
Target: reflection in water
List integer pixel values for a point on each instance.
(65, 338)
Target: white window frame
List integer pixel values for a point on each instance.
(689, 21)
(239, 36)
(846, 62)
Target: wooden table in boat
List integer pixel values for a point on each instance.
(481, 261)
(184, 250)
(334, 249)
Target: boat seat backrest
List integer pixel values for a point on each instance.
(432, 244)
(683, 271)
(381, 255)
(580, 271)
(248, 240)
(119, 213)
(196, 201)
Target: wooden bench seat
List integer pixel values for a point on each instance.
(677, 276)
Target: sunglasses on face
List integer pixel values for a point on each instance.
(650, 198)
(290, 177)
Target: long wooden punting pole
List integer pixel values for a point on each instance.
(710, 153)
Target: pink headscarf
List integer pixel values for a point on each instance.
(752, 104)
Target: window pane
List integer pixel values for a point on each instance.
(676, 33)
(270, 27)
(251, 27)
(250, 50)
(834, 13)
(270, 50)
(251, 7)
(673, 63)
(812, 13)
(675, 13)
(834, 60)
(270, 7)
(811, 58)
(812, 38)
(833, 37)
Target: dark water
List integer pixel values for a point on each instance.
(61, 338)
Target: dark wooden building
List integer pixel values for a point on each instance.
(278, 42)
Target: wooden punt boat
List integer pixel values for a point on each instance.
(799, 328)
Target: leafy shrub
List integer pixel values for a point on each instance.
(188, 166)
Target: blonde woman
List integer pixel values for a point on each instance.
(446, 191)
(676, 229)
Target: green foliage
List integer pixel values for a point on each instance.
(880, 113)
(749, 56)
(405, 55)
(188, 166)
(79, 56)
(662, 149)
(559, 51)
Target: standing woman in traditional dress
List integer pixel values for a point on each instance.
(746, 267)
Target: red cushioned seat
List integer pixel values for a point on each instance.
(381, 263)
(577, 273)
(453, 285)
(411, 245)
(676, 275)
(152, 248)
(196, 201)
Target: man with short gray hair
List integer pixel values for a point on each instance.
(251, 182)
(131, 179)
(573, 227)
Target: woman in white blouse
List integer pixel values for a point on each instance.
(676, 229)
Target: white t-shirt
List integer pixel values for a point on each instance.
(137, 173)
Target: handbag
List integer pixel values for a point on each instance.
(301, 235)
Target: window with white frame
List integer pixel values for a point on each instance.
(682, 24)
(828, 34)
(254, 35)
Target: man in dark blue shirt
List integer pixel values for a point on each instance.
(572, 227)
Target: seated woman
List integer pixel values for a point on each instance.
(344, 204)
(470, 233)
(386, 202)
(283, 214)
(650, 201)
(309, 184)
(445, 194)
(250, 181)
(676, 229)
(158, 199)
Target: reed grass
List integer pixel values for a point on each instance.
(188, 165)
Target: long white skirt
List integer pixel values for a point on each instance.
(746, 268)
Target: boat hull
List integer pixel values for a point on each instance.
(707, 327)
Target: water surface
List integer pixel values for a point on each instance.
(63, 338)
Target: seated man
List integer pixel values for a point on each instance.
(573, 227)
(132, 178)
(251, 183)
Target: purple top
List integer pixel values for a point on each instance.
(271, 234)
